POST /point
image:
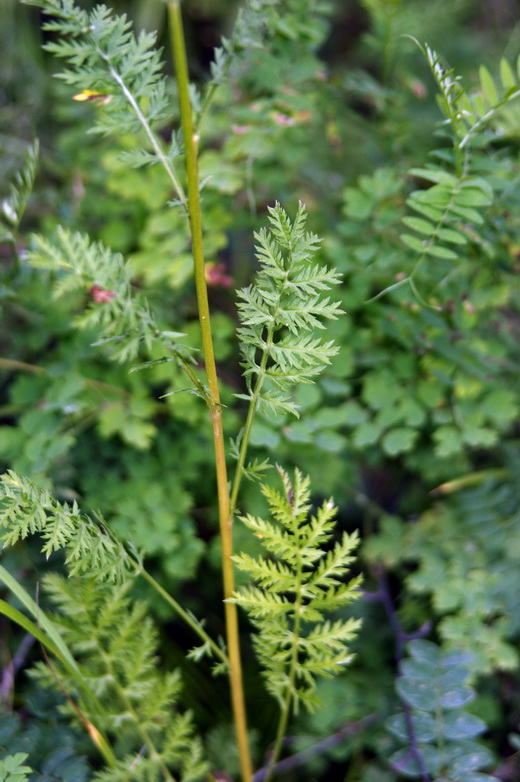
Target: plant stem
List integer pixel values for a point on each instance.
(145, 736)
(147, 129)
(191, 140)
(246, 435)
(195, 626)
(286, 708)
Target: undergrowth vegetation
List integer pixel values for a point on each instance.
(259, 391)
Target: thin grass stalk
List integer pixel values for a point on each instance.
(191, 141)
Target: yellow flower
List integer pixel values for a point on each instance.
(90, 95)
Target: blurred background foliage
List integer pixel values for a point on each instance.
(413, 428)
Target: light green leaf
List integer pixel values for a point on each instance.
(399, 440)
(449, 235)
(366, 434)
(507, 76)
(488, 86)
(419, 225)
(435, 175)
(413, 242)
(448, 440)
(437, 251)
(471, 196)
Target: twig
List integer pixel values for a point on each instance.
(13, 666)
(401, 638)
(299, 758)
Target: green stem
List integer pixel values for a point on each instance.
(16, 258)
(191, 140)
(143, 733)
(195, 626)
(147, 129)
(246, 435)
(286, 708)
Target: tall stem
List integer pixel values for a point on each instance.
(191, 140)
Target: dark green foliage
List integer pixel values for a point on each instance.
(53, 747)
(420, 220)
(442, 734)
(465, 563)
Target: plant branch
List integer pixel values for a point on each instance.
(299, 758)
(286, 708)
(13, 666)
(401, 638)
(246, 435)
(195, 626)
(147, 129)
(191, 140)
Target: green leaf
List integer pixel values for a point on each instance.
(405, 763)
(507, 76)
(419, 694)
(435, 175)
(479, 436)
(413, 242)
(456, 698)
(264, 435)
(449, 235)
(471, 196)
(462, 726)
(499, 406)
(448, 440)
(472, 761)
(399, 440)
(424, 725)
(488, 86)
(12, 768)
(380, 390)
(329, 440)
(366, 434)
(437, 251)
(424, 651)
(419, 225)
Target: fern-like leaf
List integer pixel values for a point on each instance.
(295, 585)
(280, 312)
(114, 642)
(104, 56)
(13, 207)
(124, 320)
(90, 547)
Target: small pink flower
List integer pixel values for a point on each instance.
(100, 295)
(282, 119)
(216, 276)
(240, 129)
